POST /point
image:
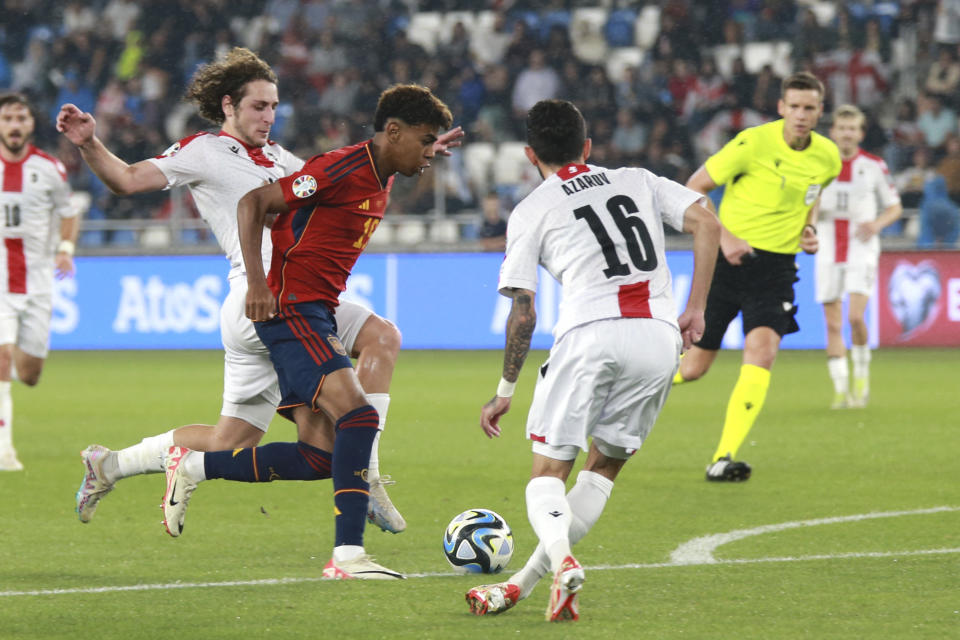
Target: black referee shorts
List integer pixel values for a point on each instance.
(761, 288)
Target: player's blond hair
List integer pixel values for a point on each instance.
(226, 77)
(850, 111)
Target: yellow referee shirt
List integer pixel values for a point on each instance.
(769, 186)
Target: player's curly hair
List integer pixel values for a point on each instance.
(556, 131)
(414, 105)
(226, 77)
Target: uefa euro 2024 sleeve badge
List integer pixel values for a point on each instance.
(304, 186)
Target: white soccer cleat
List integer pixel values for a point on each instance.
(180, 487)
(380, 510)
(565, 591)
(9, 460)
(361, 568)
(94, 485)
(490, 599)
(841, 401)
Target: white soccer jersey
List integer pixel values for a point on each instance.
(863, 189)
(219, 170)
(35, 196)
(599, 232)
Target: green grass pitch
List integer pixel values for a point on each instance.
(805, 564)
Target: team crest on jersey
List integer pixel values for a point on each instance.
(811, 195)
(337, 345)
(172, 151)
(304, 186)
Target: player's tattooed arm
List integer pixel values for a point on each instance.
(520, 325)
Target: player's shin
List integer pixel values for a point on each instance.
(355, 432)
(745, 403)
(550, 517)
(144, 457)
(274, 461)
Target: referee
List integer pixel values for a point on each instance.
(773, 176)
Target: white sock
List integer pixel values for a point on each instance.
(839, 374)
(143, 457)
(6, 415)
(549, 514)
(587, 499)
(860, 355)
(193, 466)
(380, 402)
(346, 552)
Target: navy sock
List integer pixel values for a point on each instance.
(355, 432)
(274, 461)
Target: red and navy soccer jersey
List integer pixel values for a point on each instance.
(336, 202)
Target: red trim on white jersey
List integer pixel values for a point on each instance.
(841, 237)
(16, 265)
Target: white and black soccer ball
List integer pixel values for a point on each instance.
(478, 541)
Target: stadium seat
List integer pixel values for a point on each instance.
(451, 18)
(647, 26)
(621, 58)
(757, 54)
(155, 237)
(444, 231)
(478, 158)
(586, 34)
(824, 10)
(511, 159)
(555, 18)
(410, 232)
(424, 29)
(724, 55)
(619, 29)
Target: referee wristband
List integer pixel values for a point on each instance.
(813, 227)
(505, 389)
(66, 246)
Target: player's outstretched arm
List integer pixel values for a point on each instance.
(520, 325)
(706, 230)
(121, 178)
(252, 213)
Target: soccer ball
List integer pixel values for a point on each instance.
(478, 541)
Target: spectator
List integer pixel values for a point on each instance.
(538, 81)
(949, 166)
(629, 138)
(910, 181)
(490, 45)
(904, 136)
(943, 79)
(936, 121)
(939, 216)
(493, 228)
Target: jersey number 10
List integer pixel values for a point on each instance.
(635, 233)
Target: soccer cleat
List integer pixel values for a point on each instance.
(727, 470)
(9, 460)
(362, 568)
(380, 510)
(564, 594)
(841, 401)
(490, 599)
(861, 393)
(94, 485)
(180, 487)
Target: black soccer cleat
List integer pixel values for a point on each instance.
(727, 470)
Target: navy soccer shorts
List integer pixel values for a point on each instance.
(304, 349)
(761, 288)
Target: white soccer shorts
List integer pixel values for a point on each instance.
(25, 321)
(833, 280)
(250, 390)
(607, 380)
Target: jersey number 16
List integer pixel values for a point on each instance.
(635, 233)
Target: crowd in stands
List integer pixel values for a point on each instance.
(662, 83)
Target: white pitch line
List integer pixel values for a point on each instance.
(700, 550)
(284, 581)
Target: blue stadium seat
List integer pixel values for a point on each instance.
(619, 28)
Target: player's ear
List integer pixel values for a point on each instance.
(587, 148)
(392, 129)
(226, 105)
(531, 156)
